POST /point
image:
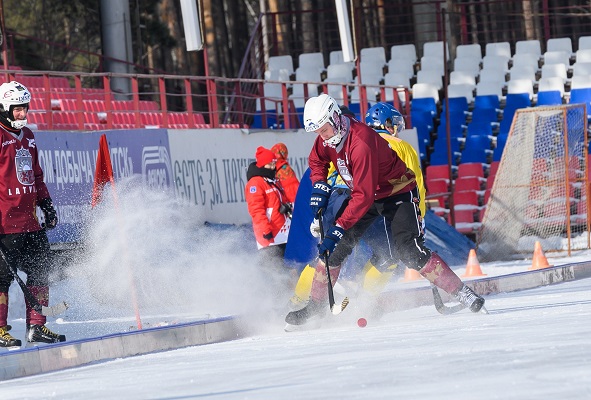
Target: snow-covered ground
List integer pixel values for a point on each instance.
(534, 344)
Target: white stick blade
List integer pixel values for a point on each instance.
(54, 310)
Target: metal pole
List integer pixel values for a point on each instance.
(3, 33)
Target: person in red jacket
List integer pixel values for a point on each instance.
(285, 173)
(268, 207)
(381, 185)
(22, 240)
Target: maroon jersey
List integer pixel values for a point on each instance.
(367, 165)
(21, 183)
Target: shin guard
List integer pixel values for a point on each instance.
(41, 293)
(438, 273)
(319, 289)
(3, 309)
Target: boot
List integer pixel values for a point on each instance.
(313, 310)
(317, 305)
(439, 273)
(6, 339)
(467, 297)
(36, 329)
(40, 333)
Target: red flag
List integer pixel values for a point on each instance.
(104, 170)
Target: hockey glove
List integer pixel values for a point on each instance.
(315, 228)
(332, 238)
(319, 197)
(46, 206)
(268, 236)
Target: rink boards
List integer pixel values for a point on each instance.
(397, 300)
(55, 357)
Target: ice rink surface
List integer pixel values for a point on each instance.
(534, 344)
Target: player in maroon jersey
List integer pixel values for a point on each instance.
(381, 185)
(22, 240)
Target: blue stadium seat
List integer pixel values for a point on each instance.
(514, 101)
(455, 116)
(549, 98)
(498, 151)
(456, 104)
(422, 119)
(440, 144)
(488, 114)
(480, 128)
(424, 104)
(440, 158)
(582, 96)
(475, 155)
(455, 130)
(478, 148)
(487, 101)
(271, 118)
(478, 141)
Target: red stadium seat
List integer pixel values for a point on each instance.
(467, 183)
(466, 200)
(471, 169)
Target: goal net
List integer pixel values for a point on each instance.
(540, 188)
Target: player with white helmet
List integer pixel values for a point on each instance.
(320, 110)
(14, 105)
(381, 185)
(23, 242)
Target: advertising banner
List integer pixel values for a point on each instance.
(209, 167)
(202, 167)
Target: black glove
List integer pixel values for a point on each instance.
(332, 238)
(46, 206)
(286, 209)
(319, 197)
(268, 236)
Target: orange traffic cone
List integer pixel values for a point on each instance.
(473, 266)
(539, 260)
(411, 275)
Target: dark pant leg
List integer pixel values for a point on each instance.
(352, 237)
(406, 226)
(36, 260)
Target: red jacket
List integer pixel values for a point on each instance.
(264, 200)
(285, 173)
(367, 165)
(21, 183)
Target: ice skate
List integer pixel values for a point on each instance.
(40, 334)
(6, 339)
(312, 312)
(467, 297)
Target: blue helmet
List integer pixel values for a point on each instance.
(384, 115)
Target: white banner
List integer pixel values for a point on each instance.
(209, 167)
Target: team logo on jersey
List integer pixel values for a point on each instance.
(344, 172)
(253, 189)
(24, 167)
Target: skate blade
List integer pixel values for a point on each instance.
(483, 310)
(12, 348)
(309, 325)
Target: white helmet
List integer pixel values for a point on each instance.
(320, 110)
(13, 94)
